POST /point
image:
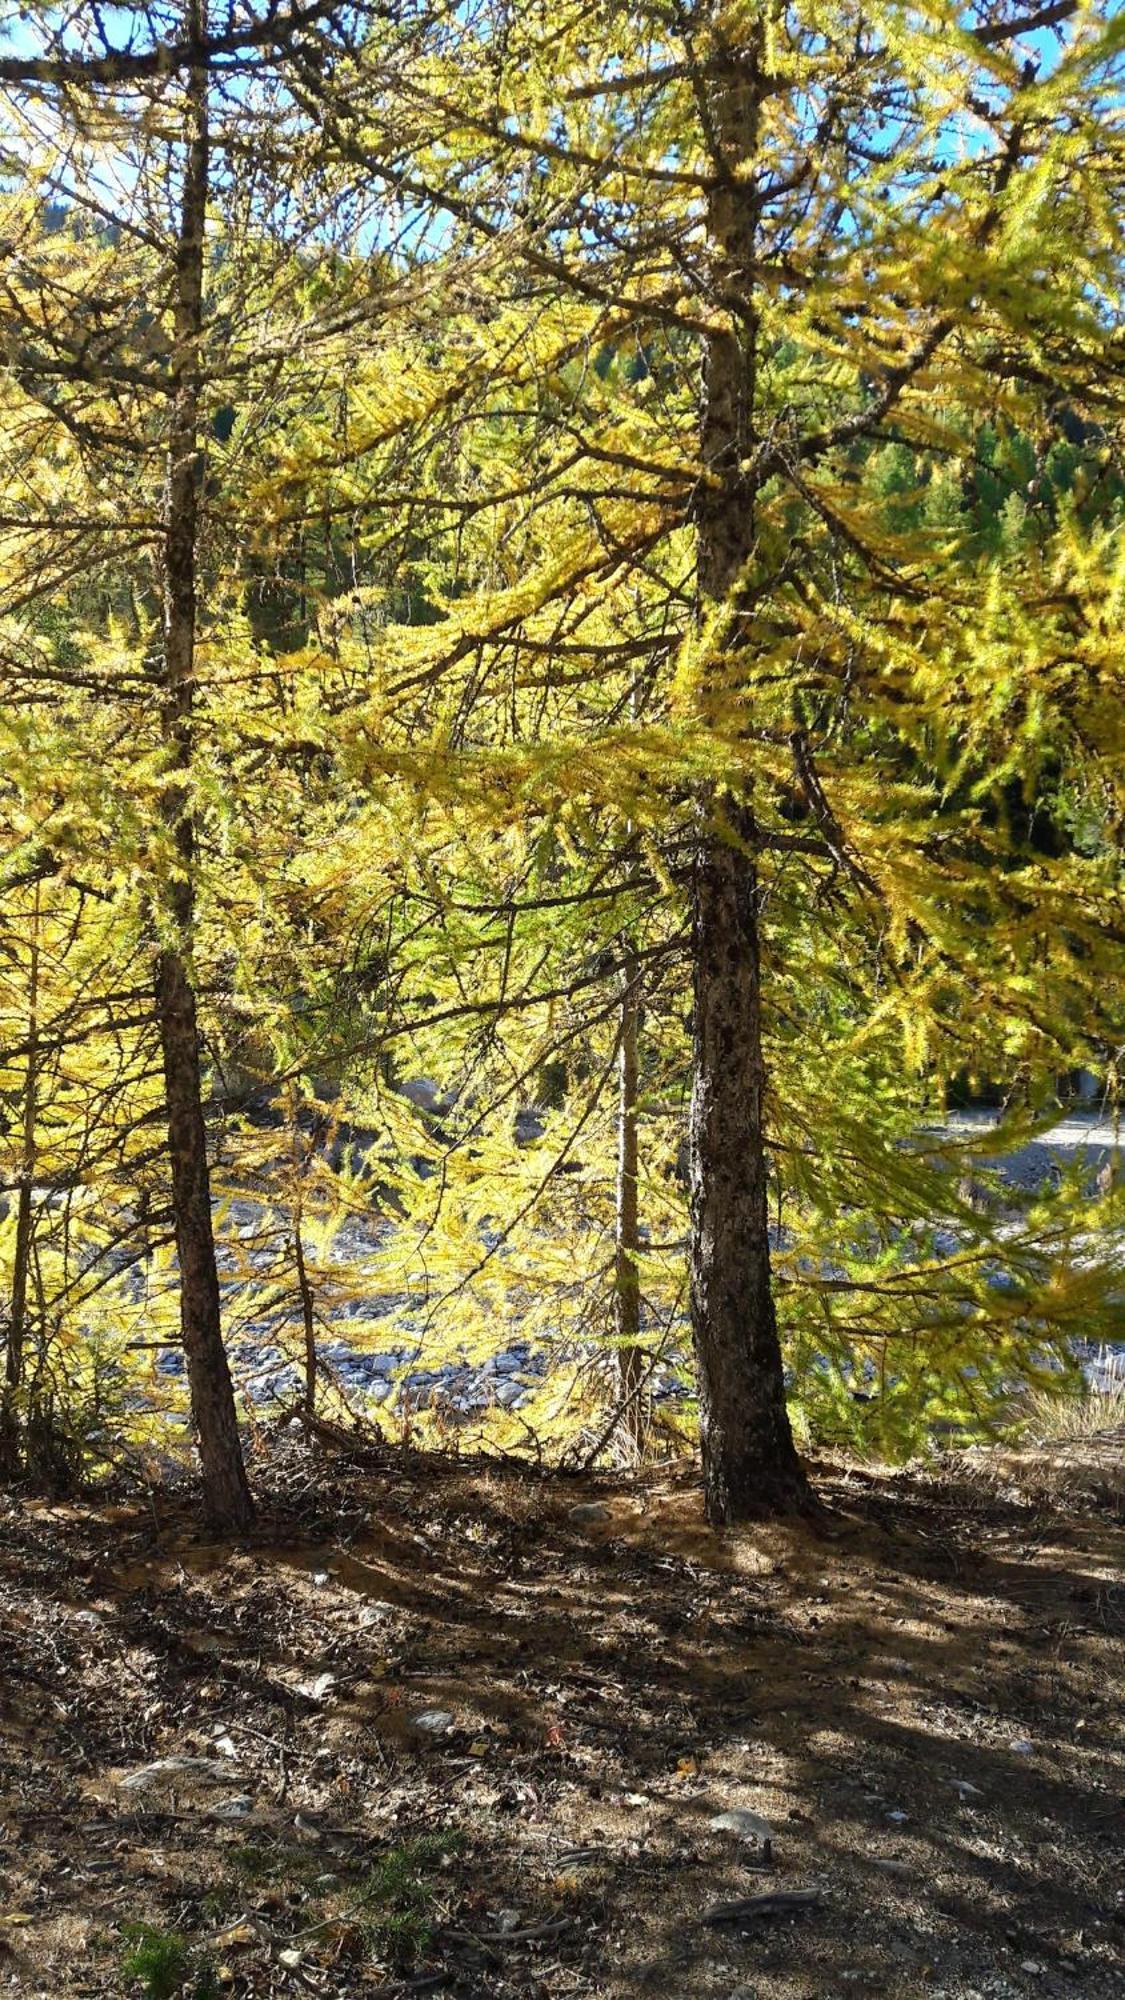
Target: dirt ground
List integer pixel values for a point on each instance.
(922, 1698)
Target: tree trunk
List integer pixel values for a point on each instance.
(749, 1461)
(226, 1493)
(10, 1442)
(308, 1320)
(750, 1464)
(626, 1276)
(225, 1490)
(304, 1288)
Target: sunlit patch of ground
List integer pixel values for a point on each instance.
(921, 1699)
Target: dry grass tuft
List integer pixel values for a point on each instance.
(1071, 1419)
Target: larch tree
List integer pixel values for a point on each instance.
(814, 230)
(224, 1477)
(555, 595)
(163, 281)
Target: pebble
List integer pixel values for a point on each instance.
(432, 1721)
(239, 1807)
(589, 1511)
(178, 1771)
(746, 1824)
(317, 1689)
(1020, 1746)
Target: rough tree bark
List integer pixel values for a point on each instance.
(750, 1465)
(304, 1288)
(10, 1440)
(626, 1275)
(225, 1488)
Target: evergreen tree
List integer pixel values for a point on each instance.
(787, 239)
(153, 296)
(573, 553)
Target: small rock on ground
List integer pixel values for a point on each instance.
(175, 1772)
(746, 1824)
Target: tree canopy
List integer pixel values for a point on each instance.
(560, 619)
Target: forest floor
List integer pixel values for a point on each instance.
(466, 1731)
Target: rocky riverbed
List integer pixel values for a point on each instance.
(377, 1346)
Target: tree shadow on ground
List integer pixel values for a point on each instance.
(920, 1699)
